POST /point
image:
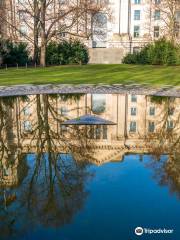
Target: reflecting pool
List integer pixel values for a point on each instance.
(88, 166)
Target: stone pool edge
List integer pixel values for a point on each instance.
(30, 89)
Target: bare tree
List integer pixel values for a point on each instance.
(40, 21)
(166, 136)
(168, 12)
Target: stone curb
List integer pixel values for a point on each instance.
(30, 89)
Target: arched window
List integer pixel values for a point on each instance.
(98, 103)
(64, 111)
(27, 126)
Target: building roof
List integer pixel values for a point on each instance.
(88, 120)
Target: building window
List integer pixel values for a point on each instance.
(133, 111)
(64, 111)
(27, 126)
(137, 15)
(26, 111)
(151, 127)
(136, 49)
(63, 129)
(98, 132)
(152, 111)
(26, 99)
(170, 124)
(21, 16)
(157, 2)
(156, 31)
(23, 30)
(132, 126)
(91, 132)
(62, 34)
(177, 16)
(137, 1)
(177, 29)
(157, 15)
(100, 20)
(104, 132)
(170, 111)
(133, 98)
(171, 99)
(62, 2)
(177, 23)
(136, 31)
(98, 103)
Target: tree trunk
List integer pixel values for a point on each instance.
(43, 33)
(36, 51)
(36, 31)
(43, 54)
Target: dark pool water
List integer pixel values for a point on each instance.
(105, 202)
(89, 167)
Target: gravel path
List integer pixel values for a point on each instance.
(88, 88)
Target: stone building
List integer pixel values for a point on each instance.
(35, 124)
(128, 26)
(134, 23)
(141, 123)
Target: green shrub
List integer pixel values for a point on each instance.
(142, 57)
(52, 54)
(165, 53)
(130, 58)
(80, 53)
(13, 53)
(67, 52)
(161, 52)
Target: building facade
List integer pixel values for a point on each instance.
(135, 23)
(34, 124)
(123, 27)
(141, 123)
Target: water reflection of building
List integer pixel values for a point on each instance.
(136, 116)
(13, 170)
(34, 124)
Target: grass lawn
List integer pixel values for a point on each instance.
(93, 74)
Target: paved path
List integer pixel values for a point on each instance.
(88, 88)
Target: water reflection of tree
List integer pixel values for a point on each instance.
(166, 141)
(54, 189)
(50, 195)
(10, 121)
(7, 161)
(62, 189)
(48, 132)
(166, 172)
(6, 128)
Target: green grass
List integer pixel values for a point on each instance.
(93, 74)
